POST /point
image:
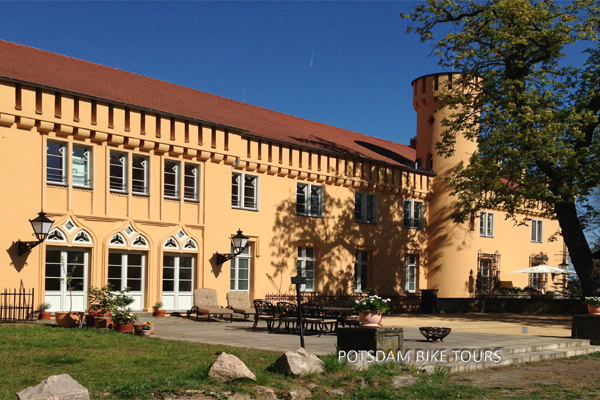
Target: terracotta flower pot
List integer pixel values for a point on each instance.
(45, 315)
(66, 319)
(103, 323)
(593, 310)
(370, 318)
(159, 312)
(124, 328)
(137, 328)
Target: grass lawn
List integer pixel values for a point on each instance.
(118, 366)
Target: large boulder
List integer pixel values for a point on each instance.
(228, 368)
(55, 387)
(300, 362)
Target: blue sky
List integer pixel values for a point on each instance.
(347, 64)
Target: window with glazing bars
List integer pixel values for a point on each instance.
(365, 207)
(309, 200)
(486, 224)
(139, 174)
(172, 179)
(536, 231)
(305, 265)
(413, 214)
(56, 163)
(82, 166)
(244, 191)
(118, 171)
(191, 178)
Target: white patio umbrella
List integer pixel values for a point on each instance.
(541, 269)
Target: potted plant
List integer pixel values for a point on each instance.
(146, 328)
(159, 311)
(593, 304)
(370, 310)
(71, 318)
(45, 315)
(101, 301)
(123, 319)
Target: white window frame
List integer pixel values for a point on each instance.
(145, 168)
(361, 207)
(361, 268)
(234, 272)
(412, 216)
(124, 265)
(176, 278)
(62, 172)
(123, 166)
(410, 273)
(87, 173)
(536, 230)
(177, 173)
(301, 268)
(238, 189)
(486, 224)
(196, 179)
(307, 193)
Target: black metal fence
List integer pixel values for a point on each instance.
(16, 306)
(406, 303)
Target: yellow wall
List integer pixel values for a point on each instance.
(275, 230)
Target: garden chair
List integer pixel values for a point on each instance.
(265, 311)
(205, 302)
(313, 315)
(288, 314)
(239, 302)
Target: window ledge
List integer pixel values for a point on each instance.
(140, 194)
(57, 184)
(192, 201)
(83, 187)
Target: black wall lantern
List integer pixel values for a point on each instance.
(238, 242)
(41, 227)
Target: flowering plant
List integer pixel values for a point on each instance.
(146, 326)
(372, 303)
(93, 314)
(592, 301)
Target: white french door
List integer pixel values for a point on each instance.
(60, 264)
(178, 278)
(126, 270)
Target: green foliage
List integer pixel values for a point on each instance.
(533, 112)
(372, 303)
(44, 306)
(592, 301)
(123, 315)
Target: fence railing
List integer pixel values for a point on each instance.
(405, 303)
(17, 305)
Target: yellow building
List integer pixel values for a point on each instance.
(146, 181)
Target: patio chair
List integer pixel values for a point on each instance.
(288, 314)
(239, 302)
(315, 317)
(265, 311)
(205, 302)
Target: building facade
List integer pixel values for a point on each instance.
(146, 181)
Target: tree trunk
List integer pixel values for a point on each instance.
(587, 268)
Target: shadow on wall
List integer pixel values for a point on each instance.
(386, 153)
(337, 237)
(17, 262)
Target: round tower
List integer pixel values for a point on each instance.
(452, 253)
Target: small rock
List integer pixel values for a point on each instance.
(240, 396)
(228, 368)
(404, 380)
(300, 393)
(55, 387)
(312, 386)
(337, 392)
(300, 362)
(265, 393)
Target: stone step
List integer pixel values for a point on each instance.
(518, 358)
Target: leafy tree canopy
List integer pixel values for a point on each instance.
(532, 109)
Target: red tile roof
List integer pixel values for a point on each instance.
(66, 73)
